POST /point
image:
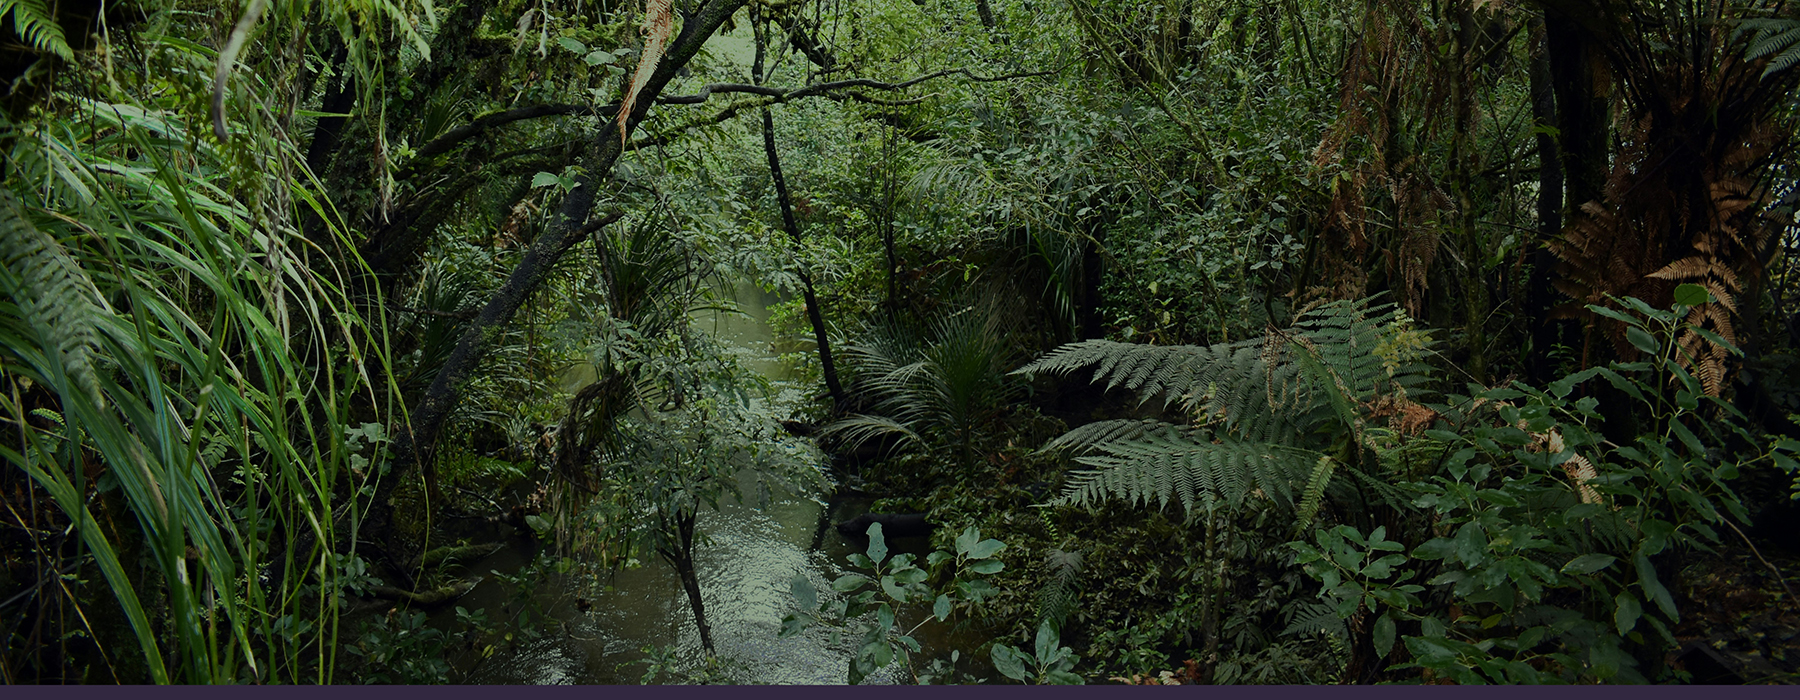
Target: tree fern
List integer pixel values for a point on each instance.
(32, 21)
(1270, 409)
(52, 291)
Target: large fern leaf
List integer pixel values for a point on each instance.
(1195, 473)
(52, 291)
(32, 21)
(1777, 36)
(1084, 438)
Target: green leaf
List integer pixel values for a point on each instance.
(1626, 612)
(538, 524)
(1384, 635)
(1008, 662)
(986, 548)
(849, 582)
(571, 44)
(792, 625)
(893, 590)
(1061, 677)
(1715, 339)
(1587, 564)
(1046, 641)
(883, 653)
(987, 566)
(1653, 587)
(1691, 295)
(966, 541)
(598, 57)
(1435, 549)
(1642, 340)
(1615, 315)
(805, 593)
(942, 608)
(877, 544)
(543, 179)
(1471, 544)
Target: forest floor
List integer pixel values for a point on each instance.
(1740, 623)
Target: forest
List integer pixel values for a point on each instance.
(899, 341)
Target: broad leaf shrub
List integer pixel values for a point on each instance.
(1550, 549)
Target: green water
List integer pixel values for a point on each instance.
(752, 552)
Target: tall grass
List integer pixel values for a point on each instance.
(161, 303)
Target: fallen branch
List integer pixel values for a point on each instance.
(435, 596)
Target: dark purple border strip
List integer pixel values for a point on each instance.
(1002, 692)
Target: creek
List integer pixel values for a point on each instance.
(596, 627)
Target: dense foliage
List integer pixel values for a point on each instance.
(1286, 341)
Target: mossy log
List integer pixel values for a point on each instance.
(455, 553)
(430, 598)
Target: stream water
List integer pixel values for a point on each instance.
(598, 629)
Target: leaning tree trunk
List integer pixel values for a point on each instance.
(416, 444)
(683, 560)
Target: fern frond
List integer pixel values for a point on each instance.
(1058, 597)
(53, 293)
(1083, 438)
(858, 429)
(1314, 496)
(34, 24)
(1162, 469)
(1778, 36)
(1316, 618)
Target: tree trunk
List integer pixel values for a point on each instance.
(690, 577)
(814, 313)
(1093, 268)
(1209, 626)
(1463, 166)
(1581, 82)
(1540, 294)
(986, 12)
(339, 98)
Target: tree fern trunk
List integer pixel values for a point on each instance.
(1540, 295)
(1209, 659)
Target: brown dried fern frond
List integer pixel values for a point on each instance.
(659, 24)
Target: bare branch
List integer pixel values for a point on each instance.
(450, 139)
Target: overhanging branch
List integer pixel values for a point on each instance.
(450, 139)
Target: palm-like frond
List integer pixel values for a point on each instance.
(932, 385)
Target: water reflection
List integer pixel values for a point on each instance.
(751, 554)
